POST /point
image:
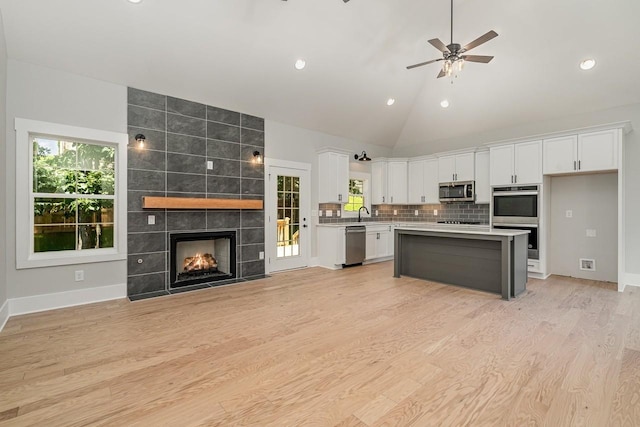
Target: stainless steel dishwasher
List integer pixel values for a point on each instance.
(356, 243)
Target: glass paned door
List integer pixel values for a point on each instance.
(288, 222)
(288, 218)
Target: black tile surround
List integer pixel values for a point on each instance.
(181, 136)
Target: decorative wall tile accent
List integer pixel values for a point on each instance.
(181, 136)
(456, 211)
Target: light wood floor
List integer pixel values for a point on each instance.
(317, 347)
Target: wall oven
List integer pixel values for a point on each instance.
(517, 208)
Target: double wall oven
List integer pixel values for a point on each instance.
(518, 208)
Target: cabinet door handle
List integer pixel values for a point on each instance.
(579, 164)
(391, 199)
(515, 179)
(382, 199)
(574, 166)
(378, 236)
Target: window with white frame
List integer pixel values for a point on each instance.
(71, 200)
(359, 194)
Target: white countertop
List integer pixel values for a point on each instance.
(461, 229)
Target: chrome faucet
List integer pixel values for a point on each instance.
(360, 211)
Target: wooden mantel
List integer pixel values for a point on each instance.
(199, 203)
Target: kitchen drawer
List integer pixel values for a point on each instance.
(533, 265)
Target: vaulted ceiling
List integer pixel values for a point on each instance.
(239, 54)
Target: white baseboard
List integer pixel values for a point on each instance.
(631, 280)
(4, 314)
(46, 302)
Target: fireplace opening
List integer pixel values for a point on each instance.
(202, 258)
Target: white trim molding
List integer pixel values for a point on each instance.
(4, 314)
(38, 303)
(631, 279)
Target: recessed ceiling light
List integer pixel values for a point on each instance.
(390, 102)
(300, 64)
(588, 64)
(444, 103)
(135, 1)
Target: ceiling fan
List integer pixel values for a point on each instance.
(453, 54)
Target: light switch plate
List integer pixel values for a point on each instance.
(338, 213)
(395, 212)
(151, 220)
(261, 255)
(435, 212)
(591, 232)
(415, 212)
(569, 213)
(209, 164)
(376, 212)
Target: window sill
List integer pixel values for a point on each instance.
(54, 259)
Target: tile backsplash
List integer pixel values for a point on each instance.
(456, 211)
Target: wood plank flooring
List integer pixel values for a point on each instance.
(331, 348)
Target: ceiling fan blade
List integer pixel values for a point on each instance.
(441, 74)
(480, 40)
(437, 43)
(423, 63)
(477, 58)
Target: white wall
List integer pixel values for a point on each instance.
(285, 142)
(632, 159)
(39, 93)
(3, 165)
(593, 200)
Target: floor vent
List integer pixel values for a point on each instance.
(587, 264)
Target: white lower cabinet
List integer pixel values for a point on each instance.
(378, 242)
(331, 247)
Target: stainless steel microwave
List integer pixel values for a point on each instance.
(463, 191)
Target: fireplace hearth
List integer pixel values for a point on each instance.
(204, 257)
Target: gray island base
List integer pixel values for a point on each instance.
(479, 258)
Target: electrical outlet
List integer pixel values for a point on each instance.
(569, 213)
(319, 213)
(79, 275)
(591, 232)
(415, 212)
(435, 212)
(376, 212)
(209, 164)
(395, 212)
(338, 213)
(151, 220)
(261, 255)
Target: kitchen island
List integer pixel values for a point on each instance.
(482, 258)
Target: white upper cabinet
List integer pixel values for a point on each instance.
(560, 154)
(423, 182)
(598, 151)
(458, 167)
(587, 152)
(516, 163)
(333, 171)
(397, 181)
(379, 182)
(483, 188)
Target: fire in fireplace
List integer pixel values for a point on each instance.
(202, 257)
